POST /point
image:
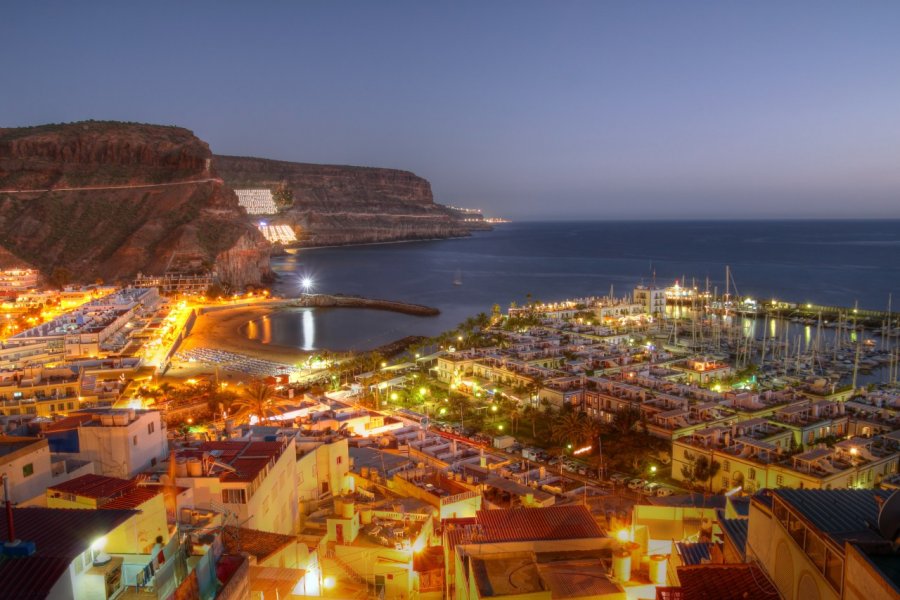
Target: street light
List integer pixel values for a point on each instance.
(307, 283)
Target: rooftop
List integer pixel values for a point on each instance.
(726, 582)
(548, 523)
(842, 515)
(109, 492)
(60, 535)
(261, 544)
(11, 444)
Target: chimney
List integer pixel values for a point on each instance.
(13, 547)
(10, 524)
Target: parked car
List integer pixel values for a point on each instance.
(664, 491)
(636, 484)
(619, 478)
(650, 488)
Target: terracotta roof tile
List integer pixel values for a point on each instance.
(548, 523)
(261, 544)
(725, 582)
(94, 486)
(72, 422)
(59, 535)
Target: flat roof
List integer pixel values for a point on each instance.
(10, 444)
(506, 574)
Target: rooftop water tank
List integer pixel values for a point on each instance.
(622, 565)
(195, 467)
(657, 567)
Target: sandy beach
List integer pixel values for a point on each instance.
(222, 329)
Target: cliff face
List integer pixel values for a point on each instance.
(336, 205)
(109, 200)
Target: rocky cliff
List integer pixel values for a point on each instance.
(336, 205)
(108, 200)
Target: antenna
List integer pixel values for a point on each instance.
(889, 518)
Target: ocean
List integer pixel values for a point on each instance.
(826, 262)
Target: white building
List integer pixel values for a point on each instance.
(95, 327)
(653, 299)
(322, 470)
(120, 442)
(31, 468)
(253, 483)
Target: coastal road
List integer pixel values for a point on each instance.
(112, 187)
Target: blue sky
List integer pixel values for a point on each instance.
(527, 109)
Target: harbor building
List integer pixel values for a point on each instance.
(652, 298)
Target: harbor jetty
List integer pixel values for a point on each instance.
(339, 300)
(328, 301)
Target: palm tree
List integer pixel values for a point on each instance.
(259, 400)
(460, 403)
(706, 469)
(514, 415)
(590, 431)
(531, 413)
(625, 420)
(567, 429)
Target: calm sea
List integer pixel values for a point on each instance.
(828, 262)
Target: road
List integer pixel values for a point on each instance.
(112, 187)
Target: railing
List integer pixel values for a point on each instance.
(459, 497)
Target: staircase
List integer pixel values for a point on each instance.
(347, 569)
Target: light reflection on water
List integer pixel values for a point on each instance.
(337, 329)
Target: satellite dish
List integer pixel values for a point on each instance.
(889, 517)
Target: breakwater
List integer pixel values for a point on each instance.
(338, 300)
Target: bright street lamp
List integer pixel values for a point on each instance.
(307, 283)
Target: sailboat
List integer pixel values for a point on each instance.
(457, 278)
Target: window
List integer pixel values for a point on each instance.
(751, 475)
(815, 549)
(781, 513)
(797, 530)
(28, 470)
(151, 427)
(340, 459)
(779, 480)
(725, 482)
(134, 440)
(234, 497)
(834, 567)
(726, 466)
(71, 406)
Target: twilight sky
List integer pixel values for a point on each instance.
(531, 110)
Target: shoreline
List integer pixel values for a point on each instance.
(384, 243)
(225, 327)
(221, 329)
